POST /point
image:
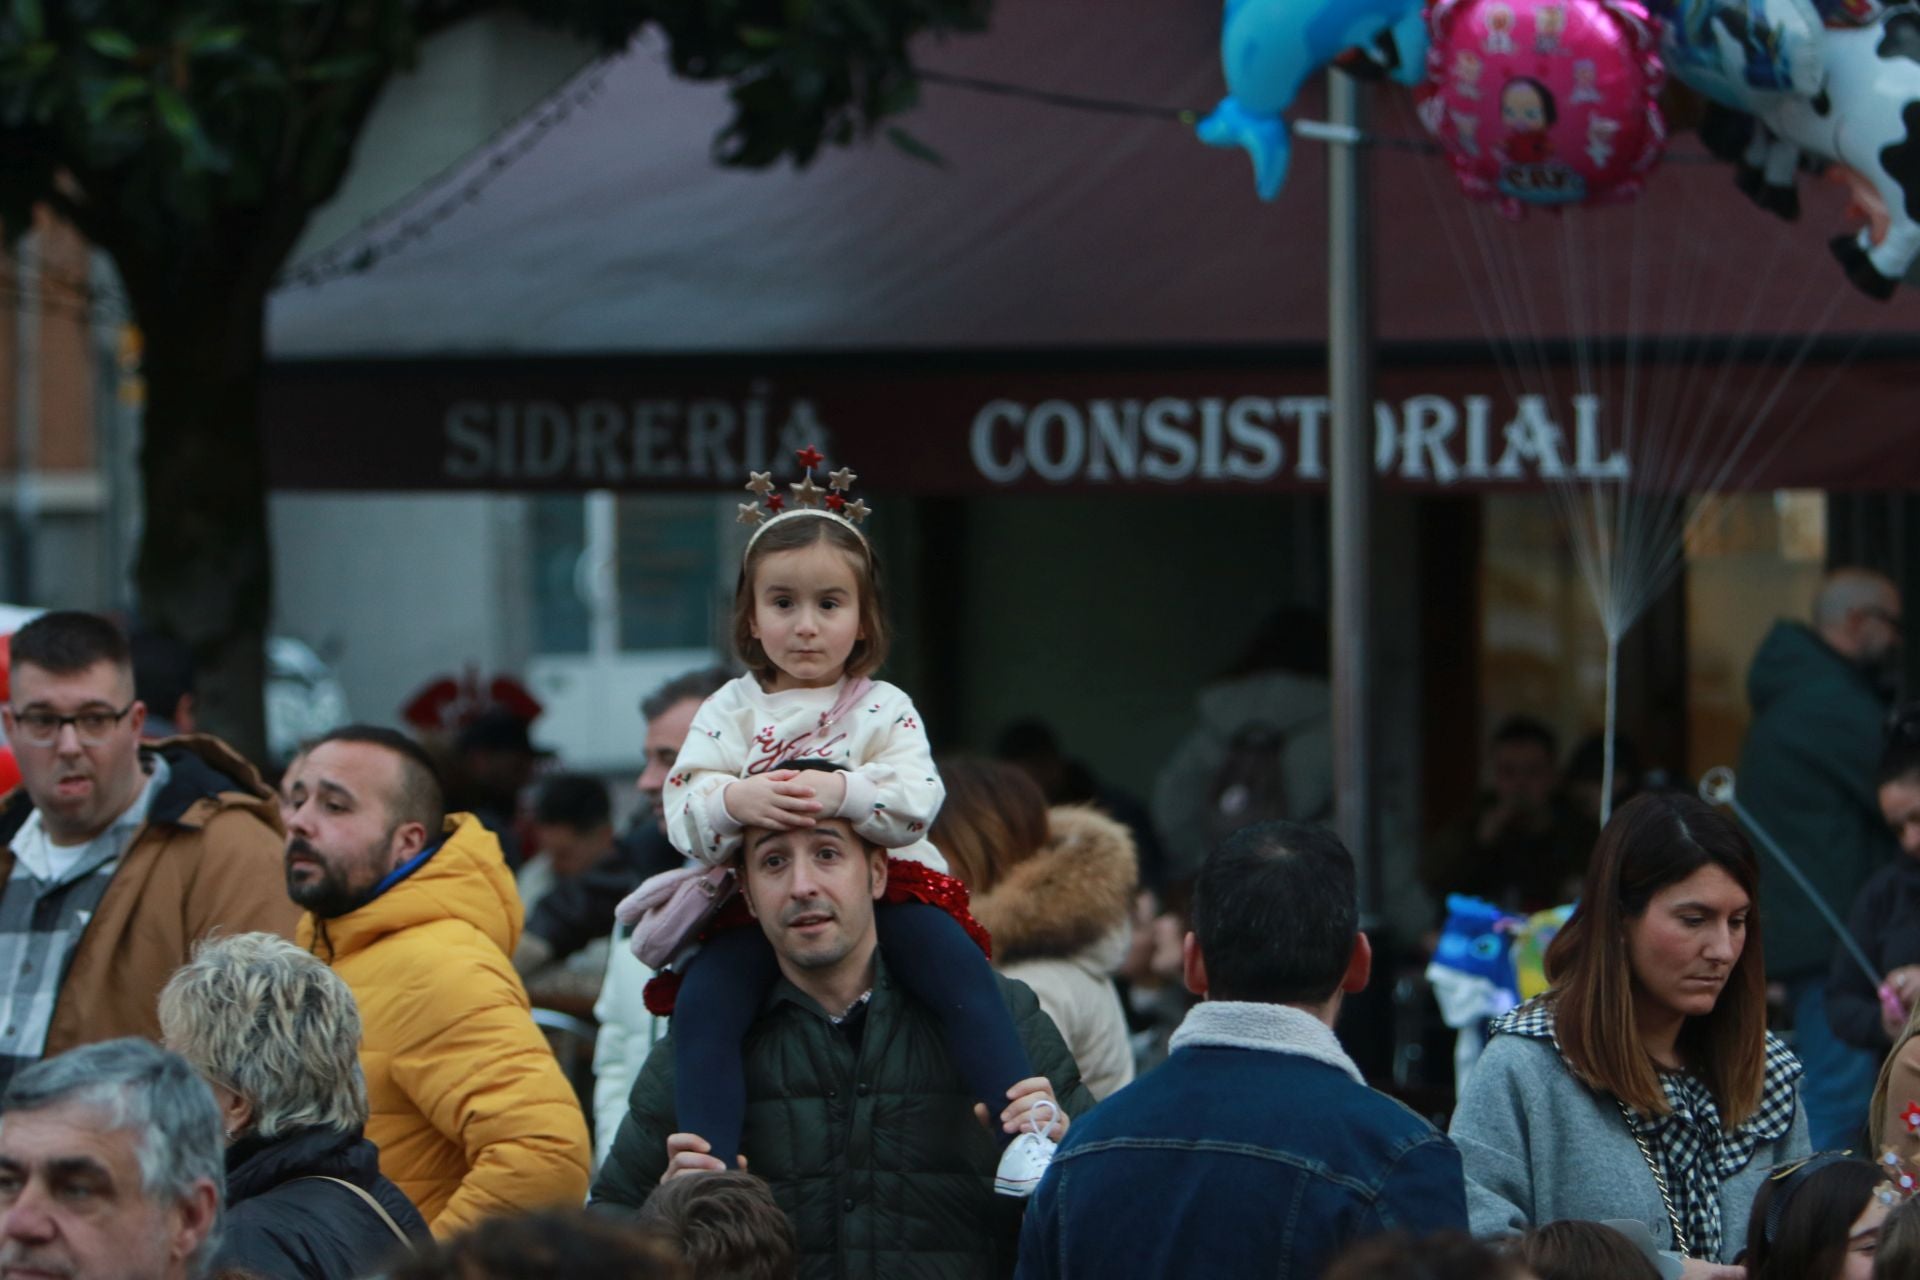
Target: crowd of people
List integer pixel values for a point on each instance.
(865, 1013)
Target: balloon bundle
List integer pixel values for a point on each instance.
(1555, 103)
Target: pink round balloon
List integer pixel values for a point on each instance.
(1546, 102)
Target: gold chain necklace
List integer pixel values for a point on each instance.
(1659, 1179)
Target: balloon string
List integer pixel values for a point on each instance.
(1187, 117)
(1612, 727)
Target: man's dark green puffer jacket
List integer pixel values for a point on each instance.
(878, 1159)
(1807, 775)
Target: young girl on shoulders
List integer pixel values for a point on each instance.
(810, 626)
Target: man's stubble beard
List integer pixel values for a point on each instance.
(333, 895)
(823, 960)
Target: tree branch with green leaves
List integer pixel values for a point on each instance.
(193, 140)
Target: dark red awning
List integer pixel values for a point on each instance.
(603, 312)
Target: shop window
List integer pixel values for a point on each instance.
(557, 538)
(1757, 560)
(1543, 652)
(667, 550)
(625, 574)
(1749, 560)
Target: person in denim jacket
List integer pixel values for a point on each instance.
(1256, 1148)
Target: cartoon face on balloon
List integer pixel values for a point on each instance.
(1527, 114)
(1549, 25)
(1466, 74)
(1561, 66)
(1499, 28)
(1526, 106)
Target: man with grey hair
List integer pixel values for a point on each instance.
(110, 1167)
(1807, 774)
(627, 1029)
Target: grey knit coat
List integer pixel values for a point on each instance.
(1538, 1146)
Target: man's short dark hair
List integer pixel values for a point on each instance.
(422, 797)
(573, 800)
(1518, 729)
(68, 641)
(727, 1225)
(1275, 914)
(698, 685)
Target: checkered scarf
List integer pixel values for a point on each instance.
(1695, 1151)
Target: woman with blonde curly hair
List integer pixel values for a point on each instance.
(276, 1034)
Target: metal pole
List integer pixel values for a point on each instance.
(1350, 388)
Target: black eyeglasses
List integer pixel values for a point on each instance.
(92, 725)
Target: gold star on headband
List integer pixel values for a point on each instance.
(857, 510)
(842, 479)
(806, 492)
(750, 513)
(760, 481)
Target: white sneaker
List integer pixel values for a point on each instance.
(1026, 1158)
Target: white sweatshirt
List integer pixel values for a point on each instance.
(893, 789)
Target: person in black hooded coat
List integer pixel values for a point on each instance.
(276, 1035)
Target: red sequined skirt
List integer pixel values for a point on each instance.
(906, 882)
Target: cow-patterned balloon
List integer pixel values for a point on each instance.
(1866, 116)
(1546, 102)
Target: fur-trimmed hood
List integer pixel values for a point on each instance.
(1074, 893)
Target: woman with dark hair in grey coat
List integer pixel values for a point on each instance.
(1644, 1085)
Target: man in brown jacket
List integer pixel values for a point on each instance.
(116, 860)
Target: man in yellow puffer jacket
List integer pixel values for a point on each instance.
(418, 913)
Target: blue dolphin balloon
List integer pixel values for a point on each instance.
(1270, 47)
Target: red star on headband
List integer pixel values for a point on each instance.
(1912, 1116)
(776, 502)
(835, 502)
(810, 457)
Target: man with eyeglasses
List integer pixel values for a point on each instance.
(116, 860)
(1807, 774)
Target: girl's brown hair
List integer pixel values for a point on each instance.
(797, 534)
(1582, 1251)
(1806, 1234)
(726, 1224)
(993, 819)
(1656, 840)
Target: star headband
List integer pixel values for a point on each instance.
(809, 498)
(1898, 1179)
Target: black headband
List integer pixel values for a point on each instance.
(1791, 1178)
